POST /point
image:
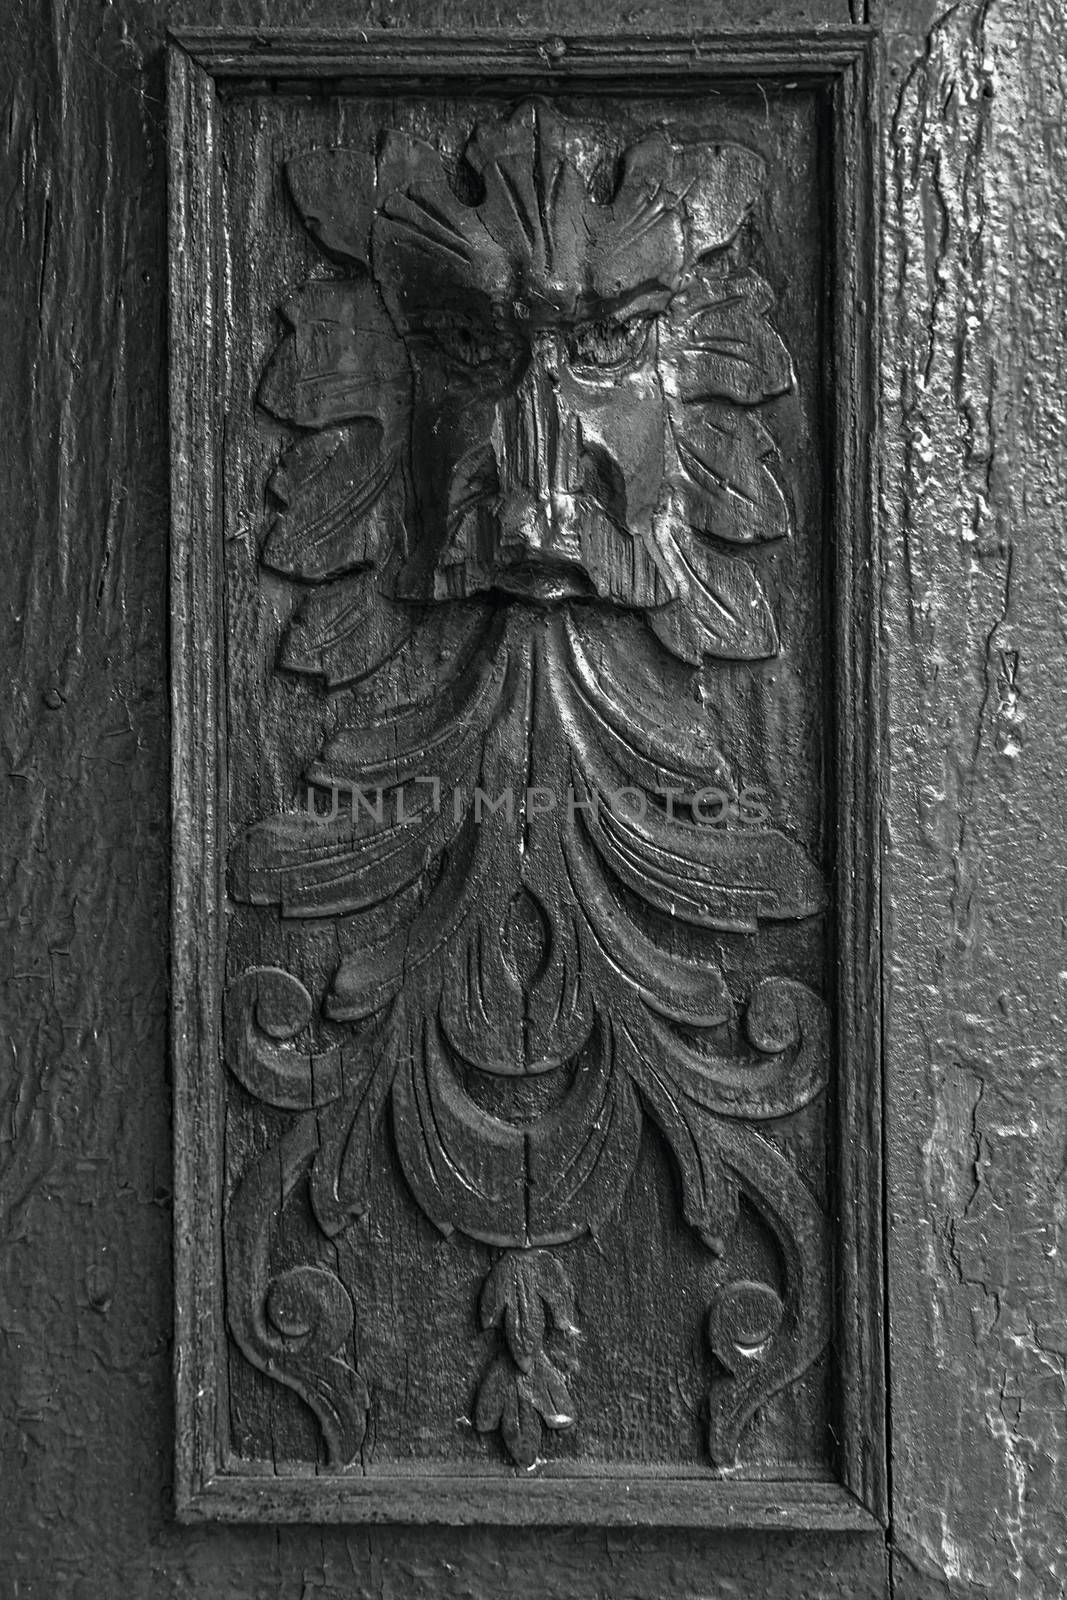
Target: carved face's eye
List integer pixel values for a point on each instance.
(609, 344)
(467, 345)
(464, 344)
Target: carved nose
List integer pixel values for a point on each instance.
(536, 442)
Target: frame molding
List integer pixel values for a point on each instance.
(201, 63)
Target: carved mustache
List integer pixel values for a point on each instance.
(476, 484)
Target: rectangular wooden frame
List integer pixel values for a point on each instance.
(839, 63)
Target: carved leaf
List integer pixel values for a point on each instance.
(333, 191)
(357, 858)
(500, 1383)
(687, 991)
(709, 1196)
(538, 213)
(366, 981)
(787, 1349)
(430, 249)
(343, 633)
(522, 1389)
(504, 1027)
(717, 1162)
(340, 1175)
(316, 868)
(511, 1296)
(581, 1156)
(466, 1169)
(340, 360)
(633, 705)
(293, 1326)
(721, 609)
(264, 1007)
(712, 877)
(555, 1290)
(431, 695)
(789, 1026)
(727, 484)
(545, 1387)
(504, 1011)
(519, 1287)
(538, 1183)
(503, 1403)
(340, 504)
(721, 342)
(534, 192)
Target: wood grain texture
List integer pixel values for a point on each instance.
(973, 491)
(976, 847)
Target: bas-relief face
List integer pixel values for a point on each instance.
(543, 456)
(531, 316)
(555, 336)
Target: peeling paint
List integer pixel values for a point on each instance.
(972, 487)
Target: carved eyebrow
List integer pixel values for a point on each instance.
(434, 315)
(644, 300)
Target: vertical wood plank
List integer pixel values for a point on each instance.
(973, 487)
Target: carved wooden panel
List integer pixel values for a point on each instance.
(525, 729)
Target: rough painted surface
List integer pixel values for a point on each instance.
(975, 631)
(976, 645)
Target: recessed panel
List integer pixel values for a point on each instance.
(524, 603)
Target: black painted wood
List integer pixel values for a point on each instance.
(553, 422)
(970, 206)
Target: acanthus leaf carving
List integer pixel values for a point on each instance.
(333, 191)
(536, 444)
(757, 1369)
(341, 360)
(728, 484)
(724, 345)
(341, 633)
(523, 1390)
(294, 1325)
(719, 606)
(338, 506)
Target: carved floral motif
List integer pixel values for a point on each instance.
(531, 462)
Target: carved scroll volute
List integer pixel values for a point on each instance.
(526, 505)
(295, 1326)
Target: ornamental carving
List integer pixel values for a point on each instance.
(524, 507)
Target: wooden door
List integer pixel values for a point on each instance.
(528, 860)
